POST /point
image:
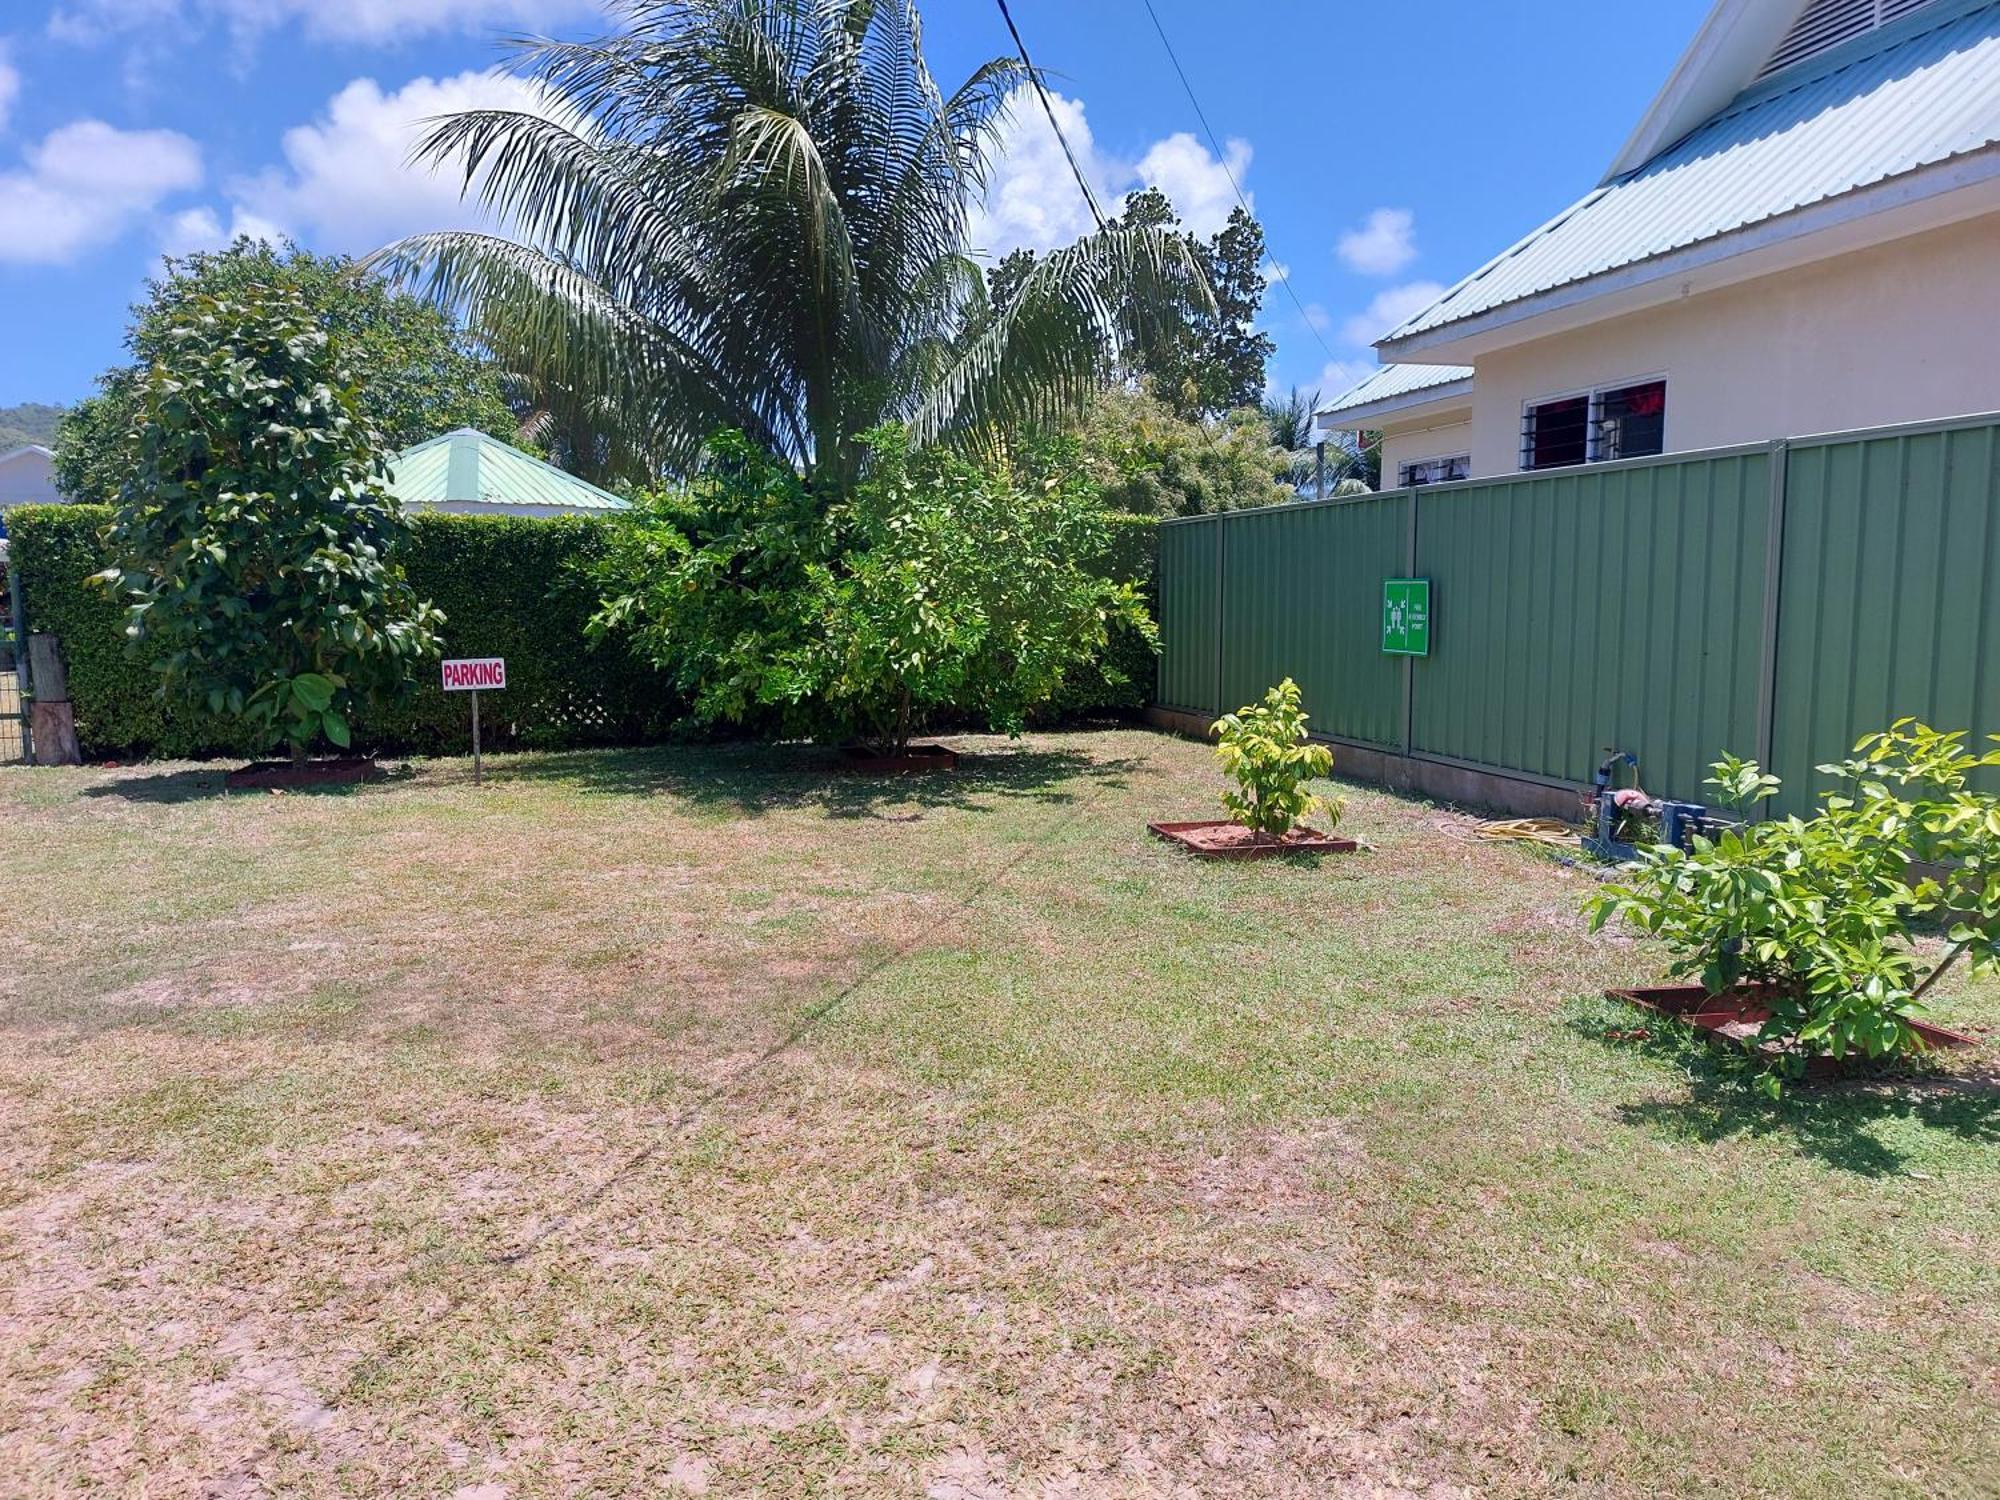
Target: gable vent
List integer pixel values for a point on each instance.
(1828, 23)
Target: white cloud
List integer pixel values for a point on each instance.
(1382, 246)
(348, 184)
(1193, 180)
(366, 21)
(10, 84)
(201, 228)
(1389, 309)
(86, 183)
(190, 230)
(1032, 199)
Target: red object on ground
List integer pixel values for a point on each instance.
(915, 758)
(1224, 840)
(1738, 1015)
(283, 773)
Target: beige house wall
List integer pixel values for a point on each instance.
(27, 478)
(1899, 332)
(1429, 439)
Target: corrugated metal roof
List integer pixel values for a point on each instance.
(1392, 381)
(1909, 95)
(467, 466)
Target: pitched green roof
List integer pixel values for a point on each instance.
(468, 467)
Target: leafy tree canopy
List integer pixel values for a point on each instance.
(423, 377)
(254, 537)
(937, 583)
(754, 215)
(1148, 459)
(1205, 357)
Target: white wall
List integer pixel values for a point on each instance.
(1899, 332)
(25, 479)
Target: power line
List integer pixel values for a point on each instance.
(1049, 109)
(1284, 277)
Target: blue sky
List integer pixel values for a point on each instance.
(1387, 148)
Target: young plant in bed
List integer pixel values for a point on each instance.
(1822, 914)
(1263, 747)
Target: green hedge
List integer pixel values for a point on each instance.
(508, 585)
(1134, 554)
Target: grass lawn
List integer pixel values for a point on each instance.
(691, 1121)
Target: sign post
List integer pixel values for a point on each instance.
(1406, 616)
(474, 674)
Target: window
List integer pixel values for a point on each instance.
(1631, 421)
(1621, 421)
(1434, 470)
(1556, 433)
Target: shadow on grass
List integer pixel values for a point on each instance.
(749, 780)
(1832, 1122)
(196, 785)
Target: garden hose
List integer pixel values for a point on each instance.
(1534, 830)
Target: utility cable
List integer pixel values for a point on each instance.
(1282, 276)
(1049, 109)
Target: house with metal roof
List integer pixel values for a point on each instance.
(468, 473)
(1801, 235)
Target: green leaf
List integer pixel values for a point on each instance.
(336, 728)
(312, 690)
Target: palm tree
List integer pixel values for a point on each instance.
(755, 214)
(1290, 421)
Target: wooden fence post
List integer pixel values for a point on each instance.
(53, 727)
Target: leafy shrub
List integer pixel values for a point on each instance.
(255, 536)
(1149, 461)
(1120, 678)
(934, 585)
(512, 586)
(1264, 747)
(1822, 911)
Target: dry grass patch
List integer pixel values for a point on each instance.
(693, 1121)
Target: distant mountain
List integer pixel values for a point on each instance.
(30, 422)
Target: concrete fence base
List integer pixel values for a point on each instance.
(1477, 787)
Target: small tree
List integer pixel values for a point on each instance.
(935, 584)
(1821, 912)
(424, 376)
(1264, 747)
(253, 535)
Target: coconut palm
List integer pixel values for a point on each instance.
(755, 214)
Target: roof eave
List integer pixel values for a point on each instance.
(1431, 401)
(1908, 203)
(1718, 65)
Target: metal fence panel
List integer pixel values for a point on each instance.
(1890, 597)
(1636, 606)
(1593, 609)
(1302, 598)
(1190, 619)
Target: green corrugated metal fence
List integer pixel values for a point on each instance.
(1776, 600)
(1889, 601)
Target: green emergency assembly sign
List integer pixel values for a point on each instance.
(1406, 616)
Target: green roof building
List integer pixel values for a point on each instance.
(468, 473)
